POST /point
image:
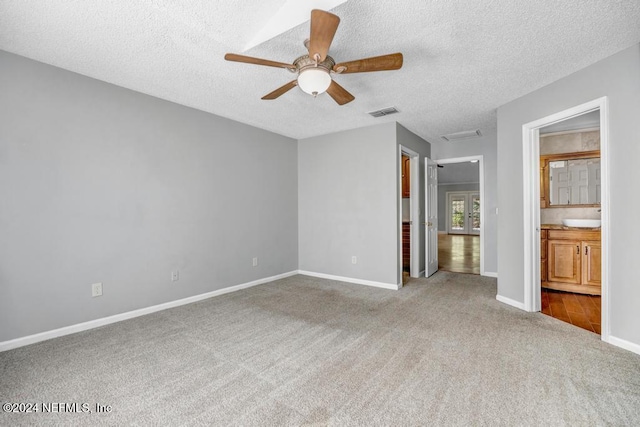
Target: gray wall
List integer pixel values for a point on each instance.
(348, 203)
(413, 142)
(487, 147)
(102, 184)
(618, 78)
(459, 173)
(442, 200)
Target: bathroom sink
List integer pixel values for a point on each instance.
(584, 223)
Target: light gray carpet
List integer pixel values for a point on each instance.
(307, 351)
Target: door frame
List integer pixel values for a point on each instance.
(480, 159)
(468, 208)
(414, 211)
(531, 193)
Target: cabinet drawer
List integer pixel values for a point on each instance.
(574, 235)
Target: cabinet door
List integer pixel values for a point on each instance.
(406, 246)
(406, 176)
(564, 261)
(544, 267)
(591, 263)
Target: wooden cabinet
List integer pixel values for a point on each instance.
(406, 246)
(573, 260)
(592, 264)
(406, 176)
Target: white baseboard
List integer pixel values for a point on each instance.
(627, 345)
(490, 274)
(351, 280)
(91, 324)
(510, 302)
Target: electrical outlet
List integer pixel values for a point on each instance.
(96, 290)
(175, 276)
(354, 259)
(255, 262)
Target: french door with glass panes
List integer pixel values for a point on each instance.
(463, 212)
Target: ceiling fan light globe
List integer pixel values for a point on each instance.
(314, 81)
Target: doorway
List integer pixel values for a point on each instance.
(460, 228)
(534, 249)
(570, 169)
(409, 214)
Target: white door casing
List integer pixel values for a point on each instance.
(531, 193)
(431, 223)
(483, 205)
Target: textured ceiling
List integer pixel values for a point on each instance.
(462, 59)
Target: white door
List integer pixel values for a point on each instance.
(474, 218)
(431, 224)
(463, 212)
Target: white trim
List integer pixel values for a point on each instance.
(510, 302)
(351, 280)
(565, 132)
(91, 324)
(483, 210)
(627, 345)
(531, 204)
(490, 274)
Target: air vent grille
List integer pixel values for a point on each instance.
(467, 134)
(384, 112)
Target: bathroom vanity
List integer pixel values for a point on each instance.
(570, 259)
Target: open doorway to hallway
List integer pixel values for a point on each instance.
(459, 216)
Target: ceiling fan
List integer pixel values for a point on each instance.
(314, 70)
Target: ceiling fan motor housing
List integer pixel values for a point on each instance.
(314, 77)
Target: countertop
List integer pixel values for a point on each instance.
(562, 227)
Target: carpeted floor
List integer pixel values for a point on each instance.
(307, 351)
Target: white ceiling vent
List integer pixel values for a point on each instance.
(384, 112)
(458, 136)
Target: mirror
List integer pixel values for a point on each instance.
(570, 179)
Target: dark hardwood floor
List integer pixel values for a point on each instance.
(578, 309)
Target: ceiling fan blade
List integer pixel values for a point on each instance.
(323, 28)
(339, 94)
(376, 63)
(281, 90)
(257, 61)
